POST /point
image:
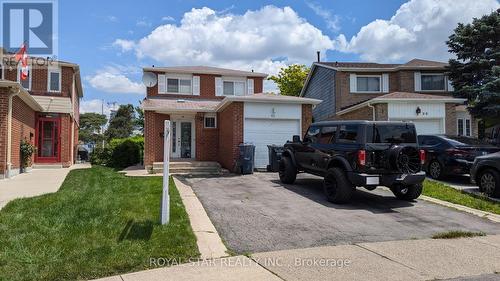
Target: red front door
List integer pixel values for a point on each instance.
(48, 140)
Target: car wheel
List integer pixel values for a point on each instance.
(489, 182)
(287, 170)
(407, 192)
(336, 186)
(435, 170)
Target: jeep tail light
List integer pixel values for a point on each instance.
(362, 157)
(422, 156)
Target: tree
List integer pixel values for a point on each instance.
(90, 127)
(291, 79)
(139, 118)
(475, 73)
(122, 124)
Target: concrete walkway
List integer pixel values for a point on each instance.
(427, 259)
(36, 182)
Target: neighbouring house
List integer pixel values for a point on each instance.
(214, 110)
(417, 91)
(42, 109)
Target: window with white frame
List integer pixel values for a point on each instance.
(210, 121)
(463, 127)
(54, 80)
(233, 88)
(26, 83)
(433, 82)
(366, 83)
(179, 85)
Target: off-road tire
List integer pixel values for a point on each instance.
(409, 193)
(432, 170)
(287, 170)
(489, 182)
(337, 187)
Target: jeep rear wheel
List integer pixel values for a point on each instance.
(336, 186)
(287, 171)
(407, 192)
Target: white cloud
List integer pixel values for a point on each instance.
(94, 105)
(112, 18)
(419, 29)
(143, 23)
(167, 18)
(331, 20)
(113, 79)
(252, 40)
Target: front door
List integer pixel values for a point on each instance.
(48, 140)
(182, 139)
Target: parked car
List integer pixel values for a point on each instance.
(485, 172)
(357, 153)
(451, 155)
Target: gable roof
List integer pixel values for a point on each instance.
(205, 70)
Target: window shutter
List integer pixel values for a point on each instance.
(196, 85)
(385, 83)
(218, 86)
(450, 86)
(161, 84)
(353, 83)
(250, 87)
(418, 81)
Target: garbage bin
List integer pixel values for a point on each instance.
(275, 152)
(247, 156)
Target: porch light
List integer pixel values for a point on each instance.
(418, 111)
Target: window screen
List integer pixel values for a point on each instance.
(432, 82)
(368, 84)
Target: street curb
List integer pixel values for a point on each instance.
(207, 238)
(476, 212)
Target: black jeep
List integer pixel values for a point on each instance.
(357, 153)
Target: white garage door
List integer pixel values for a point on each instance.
(263, 132)
(428, 127)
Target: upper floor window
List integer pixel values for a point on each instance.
(177, 85)
(368, 83)
(433, 82)
(54, 80)
(233, 88)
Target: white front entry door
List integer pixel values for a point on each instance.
(183, 145)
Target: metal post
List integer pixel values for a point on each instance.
(165, 202)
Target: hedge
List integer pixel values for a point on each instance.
(119, 153)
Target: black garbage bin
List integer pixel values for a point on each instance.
(247, 156)
(275, 152)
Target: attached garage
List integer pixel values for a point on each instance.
(428, 117)
(429, 126)
(268, 123)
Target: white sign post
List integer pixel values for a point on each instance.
(165, 201)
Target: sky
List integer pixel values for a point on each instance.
(113, 40)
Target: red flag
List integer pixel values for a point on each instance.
(22, 56)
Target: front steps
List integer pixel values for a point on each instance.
(189, 168)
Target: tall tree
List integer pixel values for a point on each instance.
(121, 124)
(90, 127)
(139, 118)
(475, 73)
(291, 79)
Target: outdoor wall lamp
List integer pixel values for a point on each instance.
(418, 111)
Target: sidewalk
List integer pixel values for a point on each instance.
(427, 259)
(36, 182)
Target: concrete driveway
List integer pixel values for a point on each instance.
(256, 213)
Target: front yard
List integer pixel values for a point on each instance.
(99, 223)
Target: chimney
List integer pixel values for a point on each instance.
(318, 54)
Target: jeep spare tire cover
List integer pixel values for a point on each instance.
(404, 159)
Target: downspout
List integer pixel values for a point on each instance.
(9, 133)
(373, 111)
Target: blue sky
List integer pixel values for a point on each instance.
(112, 40)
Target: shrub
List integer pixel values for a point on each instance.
(126, 154)
(27, 150)
(101, 156)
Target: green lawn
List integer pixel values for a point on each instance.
(99, 223)
(446, 193)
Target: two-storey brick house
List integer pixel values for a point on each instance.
(213, 110)
(42, 109)
(417, 91)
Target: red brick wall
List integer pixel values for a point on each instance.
(23, 124)
(153, 142)
(3, 128)
(65, 139)
(207, 140)
(230, 123)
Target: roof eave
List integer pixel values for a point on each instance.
(23, 94)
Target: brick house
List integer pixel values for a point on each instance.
(417, 91)
(213, 110)
(42, 109)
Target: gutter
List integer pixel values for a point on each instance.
(9, 133)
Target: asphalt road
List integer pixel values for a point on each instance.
(257, 213)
